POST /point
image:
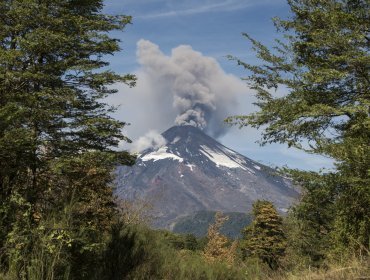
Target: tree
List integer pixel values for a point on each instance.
(323, 63)
(264, 237)
(217, 248)
(57, 137)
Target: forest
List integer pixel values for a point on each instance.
(59, 217)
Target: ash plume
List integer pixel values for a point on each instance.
(200, 92)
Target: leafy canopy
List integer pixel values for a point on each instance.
(264, 238)
(323, 65)
(57, 136)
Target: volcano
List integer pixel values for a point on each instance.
(193, 172)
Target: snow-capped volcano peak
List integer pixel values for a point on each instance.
(189, 144)
(194, 172)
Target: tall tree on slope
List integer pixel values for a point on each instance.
(323, 62)
(264, 238)
(55, 132)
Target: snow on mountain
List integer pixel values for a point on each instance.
(161, 153)
(193, 172)
(221, 159)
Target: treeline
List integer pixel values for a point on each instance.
(197, 223)
(58, 148)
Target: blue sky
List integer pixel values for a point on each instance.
(211, 29)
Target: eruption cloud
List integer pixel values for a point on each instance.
(200, 92)
(152, 139)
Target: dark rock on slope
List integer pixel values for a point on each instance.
(193, 172)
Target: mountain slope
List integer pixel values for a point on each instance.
(194, 172)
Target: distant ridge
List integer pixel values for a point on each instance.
(198, 223)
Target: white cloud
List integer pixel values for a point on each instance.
(152, 139)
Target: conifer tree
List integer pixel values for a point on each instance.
(57, 137)
(323, 65)
(217, 248)
(264, 237)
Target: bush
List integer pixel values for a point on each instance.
(136, 252)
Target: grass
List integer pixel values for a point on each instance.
(355, 269)
(188, 265)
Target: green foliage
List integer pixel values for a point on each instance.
(57, 138)
(43, 251)
(323, 64)
(199, 222)
(264, 238)
(310, 223)
(181, 241)
(136, 252)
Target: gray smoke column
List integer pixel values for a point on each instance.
(201, 93)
